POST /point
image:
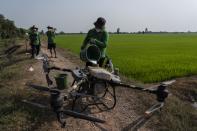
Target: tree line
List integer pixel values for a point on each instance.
(8, 29)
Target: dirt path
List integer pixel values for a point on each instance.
(130, 104)
(118, 118)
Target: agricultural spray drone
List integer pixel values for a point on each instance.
(93, 86)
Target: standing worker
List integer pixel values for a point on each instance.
(99, 37)
(34, 41)
(51, 44)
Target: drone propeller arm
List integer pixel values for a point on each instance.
(160, 91)
(134, 87)
(60, 69)
(129, 86)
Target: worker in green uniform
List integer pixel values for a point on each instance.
(51, 44)
(34, 41)
(99, 37)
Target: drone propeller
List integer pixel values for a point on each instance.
(35, 104)
(141, 120)
(61, 115)
(82, 116)
(38, 87)
(167, 83)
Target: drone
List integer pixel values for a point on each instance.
(93, 86)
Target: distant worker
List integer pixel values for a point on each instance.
(51, 44)
(34, 41)
(99, 37)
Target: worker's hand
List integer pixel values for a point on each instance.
(92, 40)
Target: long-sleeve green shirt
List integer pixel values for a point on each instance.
(101, 40)
(34, 38)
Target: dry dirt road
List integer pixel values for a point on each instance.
(126, 111)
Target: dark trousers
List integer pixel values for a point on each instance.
(35, 49)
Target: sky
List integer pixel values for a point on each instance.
(79, 15)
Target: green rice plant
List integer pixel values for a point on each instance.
(148, 57)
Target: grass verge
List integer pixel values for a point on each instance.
(14, 114)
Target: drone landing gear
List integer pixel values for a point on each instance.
(103, 97)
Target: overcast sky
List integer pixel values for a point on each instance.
(79, 15)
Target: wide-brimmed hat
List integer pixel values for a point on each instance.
(34, 27)
(49, 27)
(100, 23)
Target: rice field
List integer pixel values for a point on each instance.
(146, 57)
